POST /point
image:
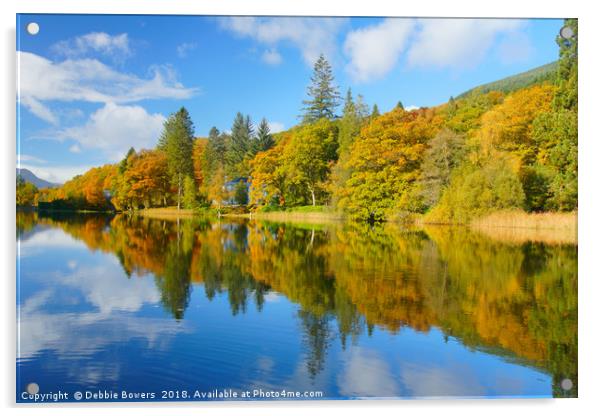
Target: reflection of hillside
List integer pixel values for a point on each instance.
(518, 299)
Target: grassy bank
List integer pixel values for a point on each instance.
(508, 226)
(306, 214)
(519, 226)
(166, 213)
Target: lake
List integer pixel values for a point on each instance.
(114, 304)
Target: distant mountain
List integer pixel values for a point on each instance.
(29, 176)
(515, 82)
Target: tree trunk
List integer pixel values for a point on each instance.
(313, 196)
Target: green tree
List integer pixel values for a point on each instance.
(26, 192)
(217, 144)
(445, 152)
(555, 135)
(399, 105)
(375, 111)
(123, 165)
(323, 93)
(241, 194)
(177, 142)
(350, 123)
(239, 146)
(354, 114)
(189, 198)
(476, 190)
(309, 156)
(264, 139)
(566, 96)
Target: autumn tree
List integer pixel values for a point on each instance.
(508, 126)
(309, 156)
(385, 163)
(269, 175)
(26, 192)
(323, 94)
(145, 183)
(216, 192)
(354, 115)
(177, 142)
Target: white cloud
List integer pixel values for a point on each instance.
(115, 128)
(184, 48)
(366, 374)
(275, 126)
(311, 35)
(411, 108)
(271, 57)
(373, 51)
(444, 381)
(41, 80)
(117, 46)
(45, 326)
(456, 43)
(29, 158)
(43, 240)
(75, 149)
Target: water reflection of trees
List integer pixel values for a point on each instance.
(517, 300)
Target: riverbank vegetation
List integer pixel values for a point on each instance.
(455, 163)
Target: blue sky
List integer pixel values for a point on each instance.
(92, 86)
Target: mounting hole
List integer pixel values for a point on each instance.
(33, 28)
(567, 33)
(566, 384)
(33, 388)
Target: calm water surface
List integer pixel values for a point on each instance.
(145, 305)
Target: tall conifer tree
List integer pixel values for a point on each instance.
(323, 93)
(177, 141)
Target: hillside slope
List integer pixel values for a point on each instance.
(30, 177)
(515, 82)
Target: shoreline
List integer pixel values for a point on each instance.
(509, 226)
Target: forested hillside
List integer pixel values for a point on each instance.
(544, 73)
(501, 146)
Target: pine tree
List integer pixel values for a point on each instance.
(349, 124)
(349, 107)
(361, 107)
(123, 165)
(375, 111)
(177, 141)
(323, 93)
(217, 144)
(399, 105)
(240, 144)
(264, 138)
